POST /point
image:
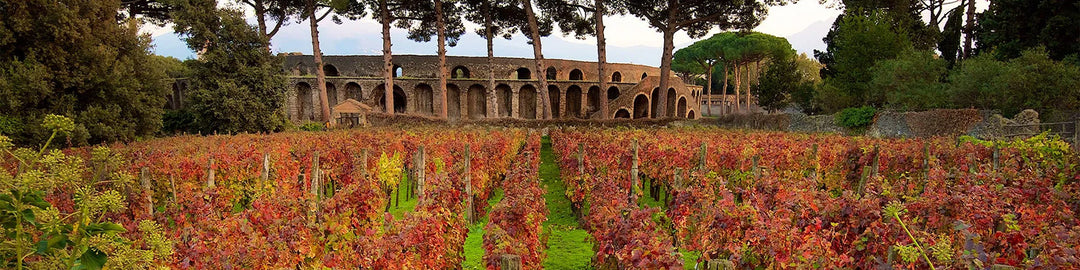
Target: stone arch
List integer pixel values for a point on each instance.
(398, 71)
(551, 73)
(400, 99)
(477, 101)
(300, 70)
(644, 75)
(425, 99)
(613, 93)
(354, 91)
(304, 104)
(460, 72)
(592, 100)
(330, 70)
(681, 107)
(652, 102)
(573, 101)
(616, 77)
(453, 101)
(691, 115)
(554, 96)
(671, 98)
(576, 75)
(641, 106)
(622, 114)
(527, 102)
(331, 94)
(503, 100)
(524, 74)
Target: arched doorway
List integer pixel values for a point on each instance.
(691, 115)
(652, 104)
(503, 100)
(643, 75)
(551, 73)
(612, 93)
(460, 72)
(682, 107)
(576, 75)
(453, 101)
(641, 106)
(553, 101)
(303, 102)
(616, 77)
(331, 94)
(524, 74)
(330, 70)
(353, 91)
(400, 100)
(573, 101)
(622, 114)
(670, 102)
(477, 97)
(425, 99)
(527, 102)
(398, 71)
(592, 100)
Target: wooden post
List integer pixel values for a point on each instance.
(581, 159)
(754, 166)
(421, 170)
(814, 162)
(316, 176)
(862, 181)
(144, 179)
(363, 163)
(877, 159)
(172, 187)
(926, 161)
(468, 187)
(701, 158)
(997, 156)
(633, 172)
(509, 262)
(266, 168)
(719, 264)
(1076, 134)
(677, 180)
(210, 175)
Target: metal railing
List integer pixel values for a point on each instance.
(1068, 131)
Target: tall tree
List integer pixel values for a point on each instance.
(401, 12)
(1010, 27)
(538, 55)
(573, 17)
(696, 17)
(311, 8)
(236, 86)
(152, 11)
(439, 18)
(856, 43)
(498, 18)
(278, 11)
(72, 58)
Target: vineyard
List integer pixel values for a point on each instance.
(452, 198)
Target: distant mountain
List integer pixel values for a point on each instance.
(809, 39)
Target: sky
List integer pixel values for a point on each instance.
(629, 39)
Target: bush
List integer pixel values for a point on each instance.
(856, 118)
(312, 126)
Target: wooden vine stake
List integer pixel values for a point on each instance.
(633, 172)
(509, 262)
(814, 162)
(265, 171)
(316, 176)
(581, 159)
(862, 181)
(754, 166)
(926, 162)
(210, 175)
(419, 172)
(701, 158)
(148, 195)
(875, 166)
(997, 156)
(468, 186)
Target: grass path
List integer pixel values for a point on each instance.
(568, 244)
(474, 241)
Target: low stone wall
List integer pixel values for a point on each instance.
(887, 124)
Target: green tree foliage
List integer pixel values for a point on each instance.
(856, 43)
(1031, 81)
(236, 85)
(856, 118)
(913, 81)
(72, 58)
(1010, 27)
(773, 91)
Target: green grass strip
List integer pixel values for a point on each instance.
(569, 246)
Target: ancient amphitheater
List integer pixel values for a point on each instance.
(574, 89)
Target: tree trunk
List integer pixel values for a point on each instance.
(440, 24)
(749, 80)
(601, 57)
(665, 72)
(723, 108)
(969, 30)
(260, 18)
(320, 76)
(490, 49)
(388, 61)
(539, 56)
(738, 89)
(708, 90)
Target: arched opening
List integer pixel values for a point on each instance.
(553, 101)
(331, 94)
(304, 106)
(300, 70)
(425, 99)
(477, 101)
(453, 101)
(613, 93)
(551, 73)
(643, 75)
(353, 91)
(576, 75)
(641, 106)
(503, 100)
(652, 102)
(616, 77)
(330, 70)
(524, 74)
(593, 100)
(398, 71)
(460, 72)
(682, 107)
(527, 102)
(573, 101)
(400, 100)
(670, 102)
(691, 115)
(622, 114)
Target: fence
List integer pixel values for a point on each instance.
(1069, 131)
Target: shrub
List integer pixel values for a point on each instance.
(856, 118)
(312, 126)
